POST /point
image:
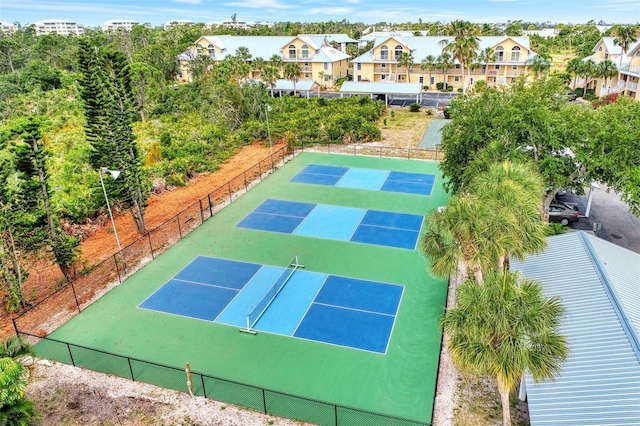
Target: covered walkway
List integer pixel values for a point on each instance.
(382, 90)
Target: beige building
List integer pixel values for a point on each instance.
(6, 27)
(318, 60)
(626, 81)
(380, 64)
(119, 24)
(58, 26)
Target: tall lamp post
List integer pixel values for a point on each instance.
(114, 174)
(267, 109)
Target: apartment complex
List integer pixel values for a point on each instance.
(119, 24)
(319, 61)
(626, 82)
(511, 58)
(58, 26)
(6, 27)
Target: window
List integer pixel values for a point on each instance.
(326, 65)
(212, 51)
(515, 54)
(383, 65)
(515, 67)
(384, 53)
(500, 54)
(306, 75)
(497, 67)
(359, 77)
(398, 52)
(433, 81)
(359, 66)
(600, 49)
(456, 78)
(638, 53)
(383, 77)
(457, 66)
(421, 80)
(292, 52)
(305, 51)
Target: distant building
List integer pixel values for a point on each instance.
(6, 27)
(114, 25)
(58, 26)
(245, 25)
(170, 24)
(545, 32)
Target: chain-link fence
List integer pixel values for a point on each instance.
(66, 300)
(252, 397)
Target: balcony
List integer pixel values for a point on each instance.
(382, 70)
(631, 69)
(514, 73)
(632, 87)
(297, 58)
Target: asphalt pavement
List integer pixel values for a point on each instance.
(609, 217)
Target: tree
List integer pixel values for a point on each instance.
(428, 63)
(624, 35)
(269, 75)
(105, 88)
(485, 57)
(504, 328)
(406, 60)
(444, 62)
(464, 45)
(539, 64)
(606, 69)
(588, 69)
(292, 72)
(573, 68)
(276, 61)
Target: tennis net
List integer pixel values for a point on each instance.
(270, 295)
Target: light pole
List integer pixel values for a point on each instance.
(267, 109)
(114, 174)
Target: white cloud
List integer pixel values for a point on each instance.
(189, 1)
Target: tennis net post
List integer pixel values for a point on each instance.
(260, 308)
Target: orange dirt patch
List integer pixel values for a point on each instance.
(102, 243)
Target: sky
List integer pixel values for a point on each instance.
(157, 12)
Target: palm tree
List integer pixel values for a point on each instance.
(504, 328)
(405, 60)
(624, 35)
(485, 57)
(428, 63)
(539, 64)
(588, 69)
(573, 68)
(269, 75)
(464, 45)
(606, 69)
(243, 53)
(457, 239)
(444, 62)
(292, 72)
(513, 192)
(276, 61)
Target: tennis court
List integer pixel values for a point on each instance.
(357, 326)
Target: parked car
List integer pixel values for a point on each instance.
(563, 213)
(571, 96)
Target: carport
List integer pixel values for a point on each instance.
(374, 88)
(302, 86)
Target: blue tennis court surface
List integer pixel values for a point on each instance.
(375, 180)
(342, 311)
(399, 230)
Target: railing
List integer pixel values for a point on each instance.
(67, 300)
(632, 86)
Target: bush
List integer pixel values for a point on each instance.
(440, 86)
(425, 88)
(428, 111)
(460, 89)
(414, 107)
(579, 91)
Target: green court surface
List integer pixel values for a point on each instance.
(399, 383)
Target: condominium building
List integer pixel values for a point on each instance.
(319, 61)
(175, 22)
(510, 57)
(6, 27)
(119, 24)
(58, 26)
(628, 64)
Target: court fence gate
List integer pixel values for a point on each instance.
(65, 300)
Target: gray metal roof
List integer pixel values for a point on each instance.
(301, 85)
(364, 87)
(599, 284)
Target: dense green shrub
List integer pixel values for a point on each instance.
(440, 86)
(414, 107)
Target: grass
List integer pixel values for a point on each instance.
(404, 129)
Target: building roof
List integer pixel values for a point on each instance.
(338, 38)
(301, 85)
(360, 87)
(598, 283)
(421, 47)
(612, 48)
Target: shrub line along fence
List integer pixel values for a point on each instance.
(68, 300)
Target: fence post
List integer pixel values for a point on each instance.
(15, 327)
(204, 390)
(75, 296)
(264, 402)
(150, 245)
(179, 227)
(130, 369)
(260, 171)
(210, 205)
(335, 411)
(380, 152)
(229, 188)
(245, 181)
(201, 212)
(115, 260)
(355, 149)
(408, 153)
(70, 354)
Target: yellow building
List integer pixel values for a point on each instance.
(626, 81)
(318, 60)
(512, 56)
